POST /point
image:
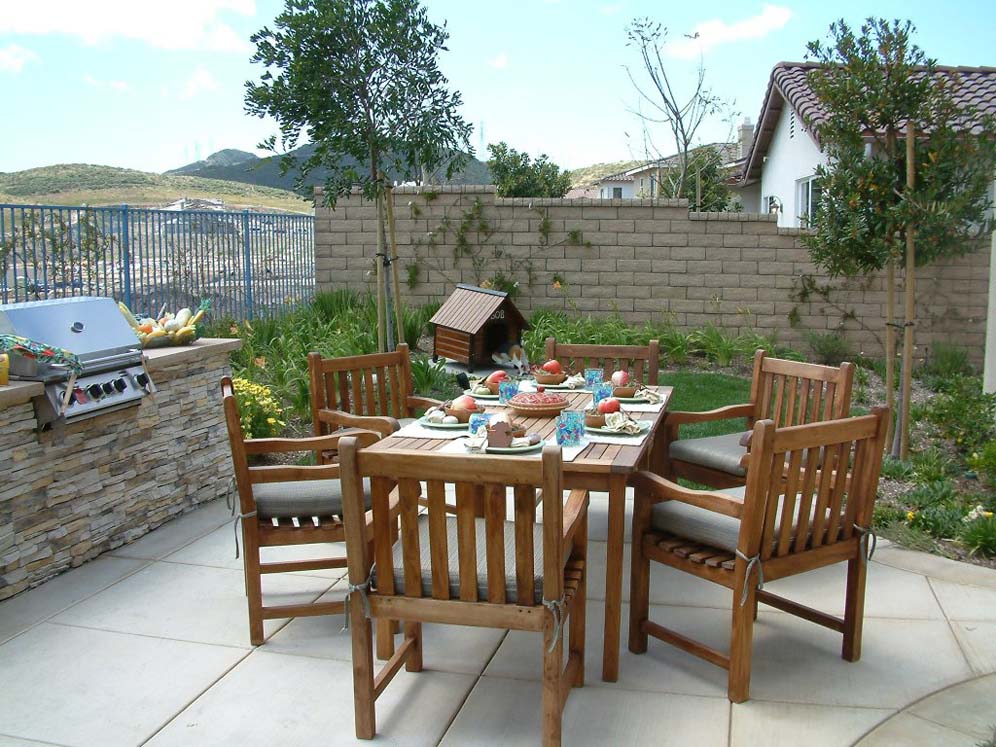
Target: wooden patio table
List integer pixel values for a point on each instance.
(600, 467)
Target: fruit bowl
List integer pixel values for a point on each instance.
(537, 404)
(626, 392)
(594, 420)
(542, 377)
(460, 414)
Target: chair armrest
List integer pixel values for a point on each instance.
(426, 402)
(720, 413)
(574, 511)
(311, 443)
(657, 489)
(384, 425)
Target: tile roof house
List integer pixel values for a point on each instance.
(642, 180)
(779, 169)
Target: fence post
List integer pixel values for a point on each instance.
(247, 262)
(125, 256)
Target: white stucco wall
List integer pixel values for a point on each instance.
(750, 197)
(791, 157)
(605, 189)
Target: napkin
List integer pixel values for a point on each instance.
(620, 422)
(574, 382)
(648, 394)
(479, 442)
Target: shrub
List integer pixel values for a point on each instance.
(716, 344)
(979, 535)
(429, 377)
(931, 465)
(940, 493)
(830, 348)
(983, 462)
(884, 515)
(945, 361)
(964, 413)
(943, 522)
(676, 346)
(896, 469)
(259, 411)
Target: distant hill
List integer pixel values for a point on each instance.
(251, 169)
(598, 171)
(80, 183)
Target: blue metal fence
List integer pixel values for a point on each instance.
(247, 263)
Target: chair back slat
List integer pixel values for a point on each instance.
(525, 518)
(481, 561)
(439, 550)
(411, 551)
(804, 403)
(356, 379)
(642, 361)
(494, 533)
(466, 501)
(792, 393)
(380, 374)
(808, 485)
(397, 409)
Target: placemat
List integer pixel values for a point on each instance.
(568, 453)
(643, 407)
(598, 438)
(417, 430)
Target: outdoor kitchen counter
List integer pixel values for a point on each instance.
(19, 392)
(73, 491)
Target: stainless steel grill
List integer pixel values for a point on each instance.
(94, 329)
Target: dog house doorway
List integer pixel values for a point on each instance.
(474, 323)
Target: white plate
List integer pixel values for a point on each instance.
(480, 396)
(564, 388)
(442, 426)
(644, 427)
(514, 449)
(633, 400)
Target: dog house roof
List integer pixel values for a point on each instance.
(469, 308)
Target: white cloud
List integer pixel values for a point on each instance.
(713, 33)
(114, 85)
(13, 58)
(611, 9)
(179, 24)
(201, 81)
(500, 62)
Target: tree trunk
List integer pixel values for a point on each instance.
(395, 283)
(382, 255)
(890, 347)
(910, 305)
(378, 261)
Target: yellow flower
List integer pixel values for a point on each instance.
(271, 421)
(910, 515)
(261, 362)
(556, 285)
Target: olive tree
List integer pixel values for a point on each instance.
(360, 80)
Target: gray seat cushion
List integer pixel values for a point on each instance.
(721, 453)
(302, 498)
(708, 527)
(511, 586)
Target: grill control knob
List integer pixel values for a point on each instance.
(120, 385)
(107, 387)
(95, 391)
(142, 379)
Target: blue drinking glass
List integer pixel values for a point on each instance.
(592, 376)
(570, 427)
(477, 420)
(506, 390)
(600, 391)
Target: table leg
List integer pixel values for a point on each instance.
(614, 577)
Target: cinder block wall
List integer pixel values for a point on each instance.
(641, 258)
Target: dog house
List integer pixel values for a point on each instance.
(474, 323)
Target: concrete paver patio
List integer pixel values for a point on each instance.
(149, 645)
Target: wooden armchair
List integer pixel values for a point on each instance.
(639, 360)
(287, 505)
(465, 570)
(788, 392)
(373, 391)
(798, 513)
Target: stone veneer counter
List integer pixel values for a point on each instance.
(71, 493)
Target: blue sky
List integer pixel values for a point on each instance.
(152, 85)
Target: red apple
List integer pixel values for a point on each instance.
(553, 367)
(495, 377)
(607, 405)
(464, 402)
(620, 378)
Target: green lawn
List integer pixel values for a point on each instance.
(706, 391)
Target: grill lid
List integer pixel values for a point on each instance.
(92, 328)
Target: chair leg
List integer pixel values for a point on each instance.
(639, 578)
(254, 583)
(385, 638)
(413, 663)
(364, 707)
(754, 615)
(552, 664)
(578, 614)
(854, 609)
(741, 640)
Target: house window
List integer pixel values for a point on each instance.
(772, 205)
(617, 193)
(810, 194)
